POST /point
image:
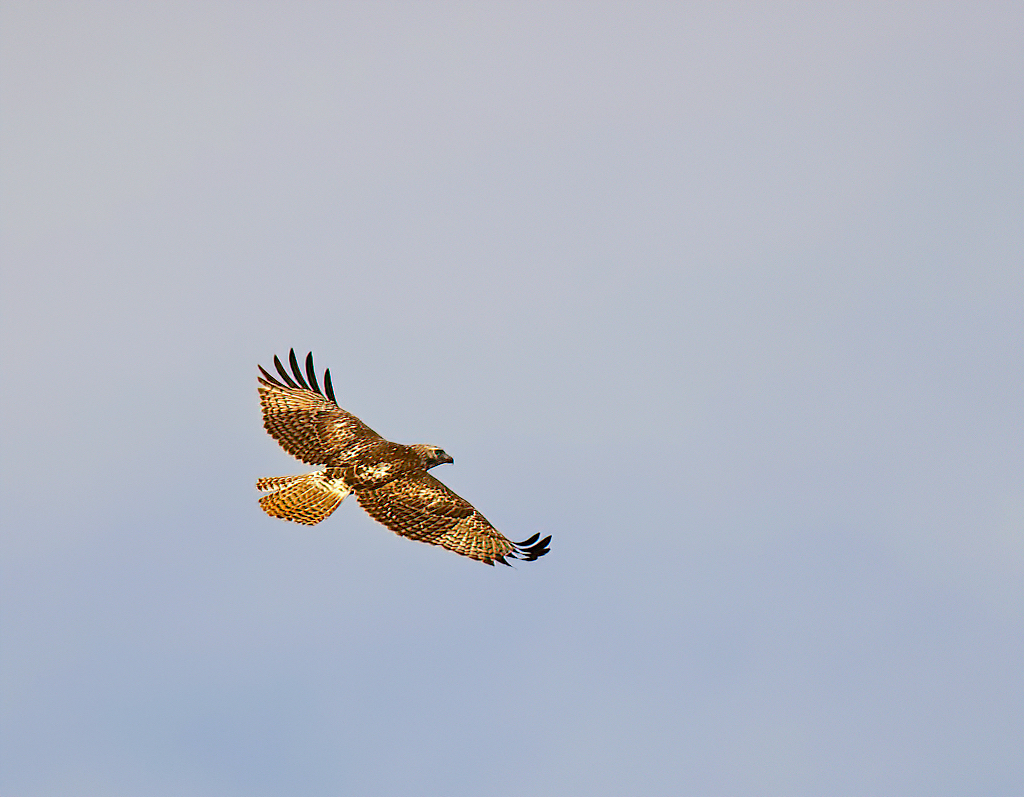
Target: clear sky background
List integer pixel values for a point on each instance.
(726, 297)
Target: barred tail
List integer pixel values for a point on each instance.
(305, 499)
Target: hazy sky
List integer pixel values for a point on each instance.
(726, 297)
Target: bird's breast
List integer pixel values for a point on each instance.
(375, 468)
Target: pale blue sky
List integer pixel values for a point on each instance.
(728, 298)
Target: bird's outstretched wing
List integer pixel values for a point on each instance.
(420, 507)
(307, 421)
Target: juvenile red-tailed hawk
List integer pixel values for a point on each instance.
(390, 480)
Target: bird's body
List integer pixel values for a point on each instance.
(390, 480)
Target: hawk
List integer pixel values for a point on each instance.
(390, 480)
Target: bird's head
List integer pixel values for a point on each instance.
(438, 456)
(431, 455)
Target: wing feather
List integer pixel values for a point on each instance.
(311, 374)
(307, 424)
(420, 507)
(284, 372)
(328, 387)
(294, 363)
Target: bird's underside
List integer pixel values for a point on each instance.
(390, 480)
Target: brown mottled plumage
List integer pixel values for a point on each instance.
(390, 480)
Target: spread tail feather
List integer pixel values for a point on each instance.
(305, 499)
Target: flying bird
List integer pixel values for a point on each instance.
(390, 480)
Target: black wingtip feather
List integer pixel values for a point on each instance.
(293, 361)
(530, 550)
(296, 379)
(268, 378)
(311, 374)
(328, 386)
(284, 373)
